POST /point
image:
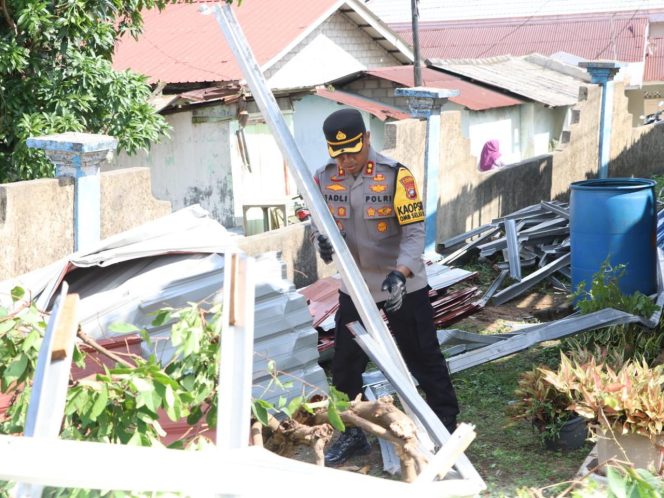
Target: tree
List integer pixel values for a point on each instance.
(56, 76)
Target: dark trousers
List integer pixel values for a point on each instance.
(414, 332)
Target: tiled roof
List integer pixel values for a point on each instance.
(180, 44)
(654, 67)
(472, 96)
(600, 36)
(378, 109)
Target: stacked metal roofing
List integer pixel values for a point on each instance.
(535, 77)
(174, 261)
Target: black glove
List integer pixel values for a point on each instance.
(325, 249)
(395, 285)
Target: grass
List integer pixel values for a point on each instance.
(509, 455)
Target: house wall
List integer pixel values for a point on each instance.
(310, 112)
(335, 49)
(36, 217)
(193, 165)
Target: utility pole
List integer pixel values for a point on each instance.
(417, 72)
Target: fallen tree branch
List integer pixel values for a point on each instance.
(101, 349)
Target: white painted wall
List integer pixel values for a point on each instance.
(335, 49)
(393, 11)
(192, 166)
(310, 112)
(496, 124)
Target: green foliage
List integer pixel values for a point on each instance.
(541, 404)
(626, 400)
(632, 339)
(56, 76)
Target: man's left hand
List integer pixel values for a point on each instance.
(395, 285)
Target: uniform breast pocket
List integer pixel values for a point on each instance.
(381, 228)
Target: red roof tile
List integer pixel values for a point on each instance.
(654, 70)
(381, 111)
(180, 44)
(472, 96)
(602, 36)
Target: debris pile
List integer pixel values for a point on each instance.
(449, 305)
(535, 237)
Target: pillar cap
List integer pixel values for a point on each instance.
(73, 142)
(426, 92)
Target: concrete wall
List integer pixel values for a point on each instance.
(470, 198)
(303, 266)
(36, 217)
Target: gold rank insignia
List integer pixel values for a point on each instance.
(407, 203)
(377, 187)
(371, 212)
(341, 211)
(385, 211)
(335, 187)
(340, 135)
(379, 177)
(381, 226)
(370, 168)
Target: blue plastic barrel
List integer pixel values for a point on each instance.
(614, 218)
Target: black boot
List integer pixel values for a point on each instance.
(350, 443)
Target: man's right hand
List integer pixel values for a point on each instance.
(325, 249)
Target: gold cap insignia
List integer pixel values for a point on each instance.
(341, 135)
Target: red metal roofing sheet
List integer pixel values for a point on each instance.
(472, 96)
(381, 111)
(603, 36)
(179, 44)
(654, 70)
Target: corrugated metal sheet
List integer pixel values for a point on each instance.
(604, 36)
(173, 261)
(378, 109)
(474, 97)
(179, 44)
(528, 76)
(654, 70)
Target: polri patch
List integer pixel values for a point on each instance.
(407, 203)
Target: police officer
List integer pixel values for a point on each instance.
(375, 203)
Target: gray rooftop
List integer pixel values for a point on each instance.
(534, 76)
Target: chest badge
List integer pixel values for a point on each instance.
(335, 187)
(381, 226)
(341, 211)
(379, 177)
(385, 211)
(378, 187)
(371, 212)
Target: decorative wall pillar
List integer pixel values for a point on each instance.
(80, 156)
(602, 73)
(427, 103)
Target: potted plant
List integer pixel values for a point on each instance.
(625, 405)
(546, 408)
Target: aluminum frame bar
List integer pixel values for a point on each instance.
(319, 211)
(409, 395)
(236, 330)
(514, 290)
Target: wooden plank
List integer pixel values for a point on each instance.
(447, 456)
(65, 329)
